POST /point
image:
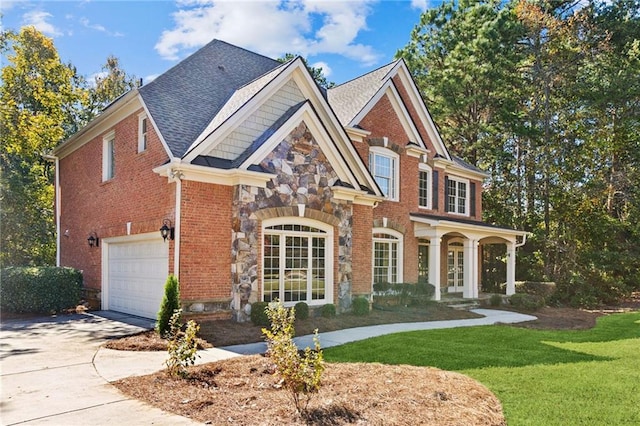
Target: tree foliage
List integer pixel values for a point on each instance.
(316, 72)
(36, 94)
(545, 96)
(43, 101)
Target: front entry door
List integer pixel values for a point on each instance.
(455, 268)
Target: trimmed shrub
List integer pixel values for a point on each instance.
(495, 300)
(302, 310)
(381, 287)
(39, 290)
(528, 302)
(360, 306)
(328, 310)
(259, 314)
(170, 304)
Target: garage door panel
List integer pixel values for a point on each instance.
(137, 273)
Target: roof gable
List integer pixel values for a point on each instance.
(183, 101)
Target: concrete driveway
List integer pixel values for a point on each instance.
(48, 374)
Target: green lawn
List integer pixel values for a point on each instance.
(589, 377)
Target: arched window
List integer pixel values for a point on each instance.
(387, 255)
(297, 259)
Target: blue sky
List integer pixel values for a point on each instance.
(346, 38)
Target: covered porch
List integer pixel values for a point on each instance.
(451, 253)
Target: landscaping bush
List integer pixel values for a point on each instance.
(39, 289)
(302, 311)
(259, 314)
(529, 302)
(170, 303)
(300, 372)
(360, 306)
(182, 347)
(328, 310)
(544, 289)
(495, 300)
(381, 287)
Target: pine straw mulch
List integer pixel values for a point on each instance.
(244, 391)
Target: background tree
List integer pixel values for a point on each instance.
(316, 73)
(35, 93)
(545, 96)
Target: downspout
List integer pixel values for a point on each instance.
(523, 242)
(56, 202)
(177, 177)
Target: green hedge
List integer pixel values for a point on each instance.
(39, 289)
(259, 314)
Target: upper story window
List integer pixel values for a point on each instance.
(457, 196)
(424, 187)
(109, 156)
(143, 124)
(383, 164)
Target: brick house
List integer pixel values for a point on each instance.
(266, 186)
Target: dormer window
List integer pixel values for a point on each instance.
(457, 196)
(143, 124)
(383, 164)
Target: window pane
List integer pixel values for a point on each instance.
(271, 277)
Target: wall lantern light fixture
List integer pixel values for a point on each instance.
(93, 240)
(167, 231)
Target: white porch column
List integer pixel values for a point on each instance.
(468, 280)
(475, 270)
(434, 265)
(511, 268)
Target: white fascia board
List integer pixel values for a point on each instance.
(356, 196)
(469, 230)
(241, 115)
(115, 113)
(407, 81)
(389, 89)
(322, 137)
(155, 128)
(206, 174)
(454, 169)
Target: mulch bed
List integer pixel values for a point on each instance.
(244, 391)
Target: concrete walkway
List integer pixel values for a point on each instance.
(55, 371)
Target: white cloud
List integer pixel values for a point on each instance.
(101, 28)
(419, 4)
(38, 18)
(271, 28)
(326, 70)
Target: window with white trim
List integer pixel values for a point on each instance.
(143, 124)
(457, 196)
(387, 256)
(383, 164)
(424, 186)
(108, 156)
(297, 259)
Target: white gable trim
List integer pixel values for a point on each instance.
(307, 115)
(223, 131)
(297, 71)
(407, 81)
(389, 89)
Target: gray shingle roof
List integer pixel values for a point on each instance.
(460, 162)
(186, 98)
(348, 99)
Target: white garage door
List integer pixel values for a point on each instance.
(136, 276)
